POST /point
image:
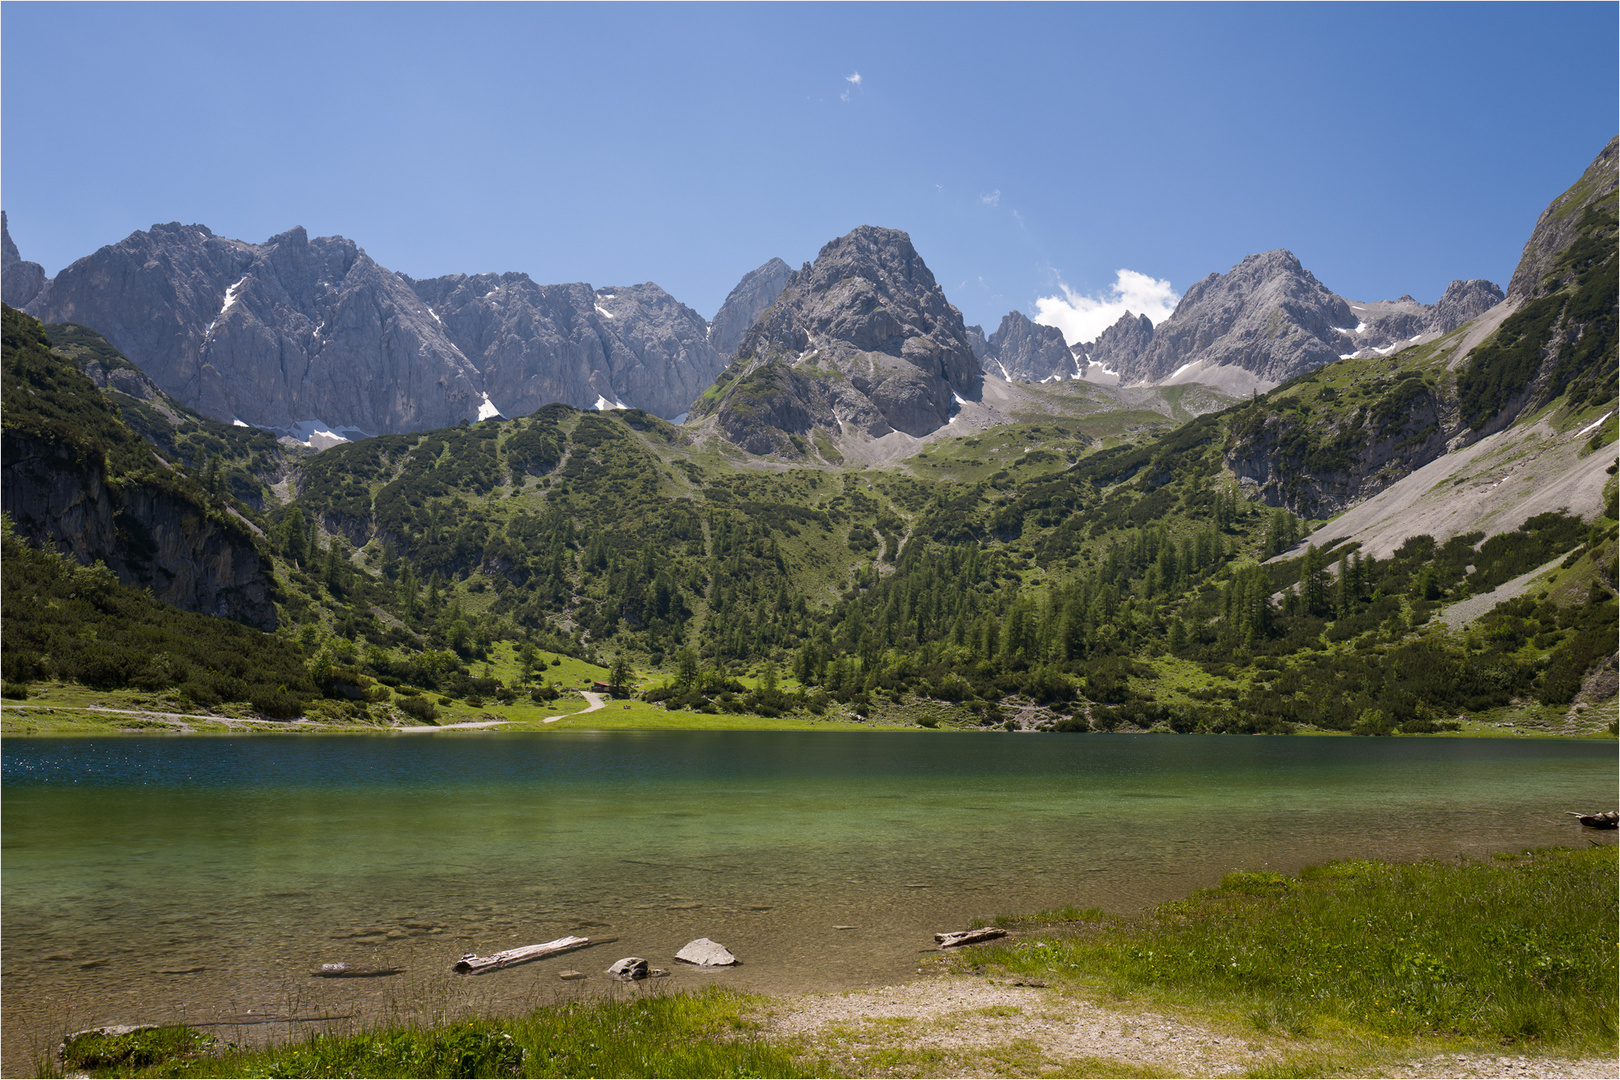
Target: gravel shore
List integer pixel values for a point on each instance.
(972, 1027)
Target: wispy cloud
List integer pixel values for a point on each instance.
(1082, 317)
(854, 80)
(992, 199)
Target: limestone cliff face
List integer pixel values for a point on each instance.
(271, 334)
(147, 535)
(1267, 320)
(299, 329)
(1267, 315)
(1119, 345)
(862, 340)
(1025, 351)
(20, 281)
(1320, 464)
(757, 291)
(632, 345)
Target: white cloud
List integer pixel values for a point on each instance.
(854, 81)
(992, 199)
(1082, 318)
(855, 78)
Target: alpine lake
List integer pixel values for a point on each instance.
(201, 879)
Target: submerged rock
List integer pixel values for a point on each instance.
(630, 969)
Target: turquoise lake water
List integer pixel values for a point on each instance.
(200, 878)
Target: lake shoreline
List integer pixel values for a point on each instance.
(46, 719)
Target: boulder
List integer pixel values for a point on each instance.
(706, 953)
(630, 969)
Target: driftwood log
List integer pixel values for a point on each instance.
(477, 965)
(953, 938)
(1608, 819)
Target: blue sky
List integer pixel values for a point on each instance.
(1031, 151)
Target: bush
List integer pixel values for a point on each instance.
(419, 708)
(277, 704)
(14, 690)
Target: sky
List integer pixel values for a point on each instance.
(1067, 161)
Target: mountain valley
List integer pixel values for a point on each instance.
(1259, 515)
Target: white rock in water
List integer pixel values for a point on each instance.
(706, 953)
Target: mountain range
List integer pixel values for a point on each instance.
(311, 338)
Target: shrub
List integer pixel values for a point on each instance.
(419, 708)
(277, 704)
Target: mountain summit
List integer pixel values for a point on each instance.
(1269, 319)
(863, 339)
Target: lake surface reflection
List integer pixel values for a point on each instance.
(200, 878)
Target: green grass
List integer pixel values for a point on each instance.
(1516, 951)
(702, 1033)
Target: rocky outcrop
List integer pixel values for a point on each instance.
(20, 281)
(1560, 225)
(1462, 301)
(1267, 320)
(1384, 325)
(632, 345)
(1025, 351)
(976, 342)
(1267, 315)
(148, 535)
(271, 334)
(297, 329)
(862, 340)
(77, 480)
(1118, 346)
(757, 291)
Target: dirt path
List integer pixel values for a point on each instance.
(595, 700)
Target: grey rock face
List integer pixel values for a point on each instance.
(147, 535)
(272, 334)
(20, 281)
(298, 329)
(1026, 351)
(1267, 315)
(1464, 300)
(863, 338)
(1118, 346)
(757, 291)
(976, 342)
(1559, 225)
(1385, 324)
(632, 345)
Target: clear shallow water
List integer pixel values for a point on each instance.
(160, 878)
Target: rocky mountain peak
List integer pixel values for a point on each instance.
(1560, 224)
(1267, 319)
(1027, 351)
(757, 291)
(20, 281)
(862, 338)
(1464, 300)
